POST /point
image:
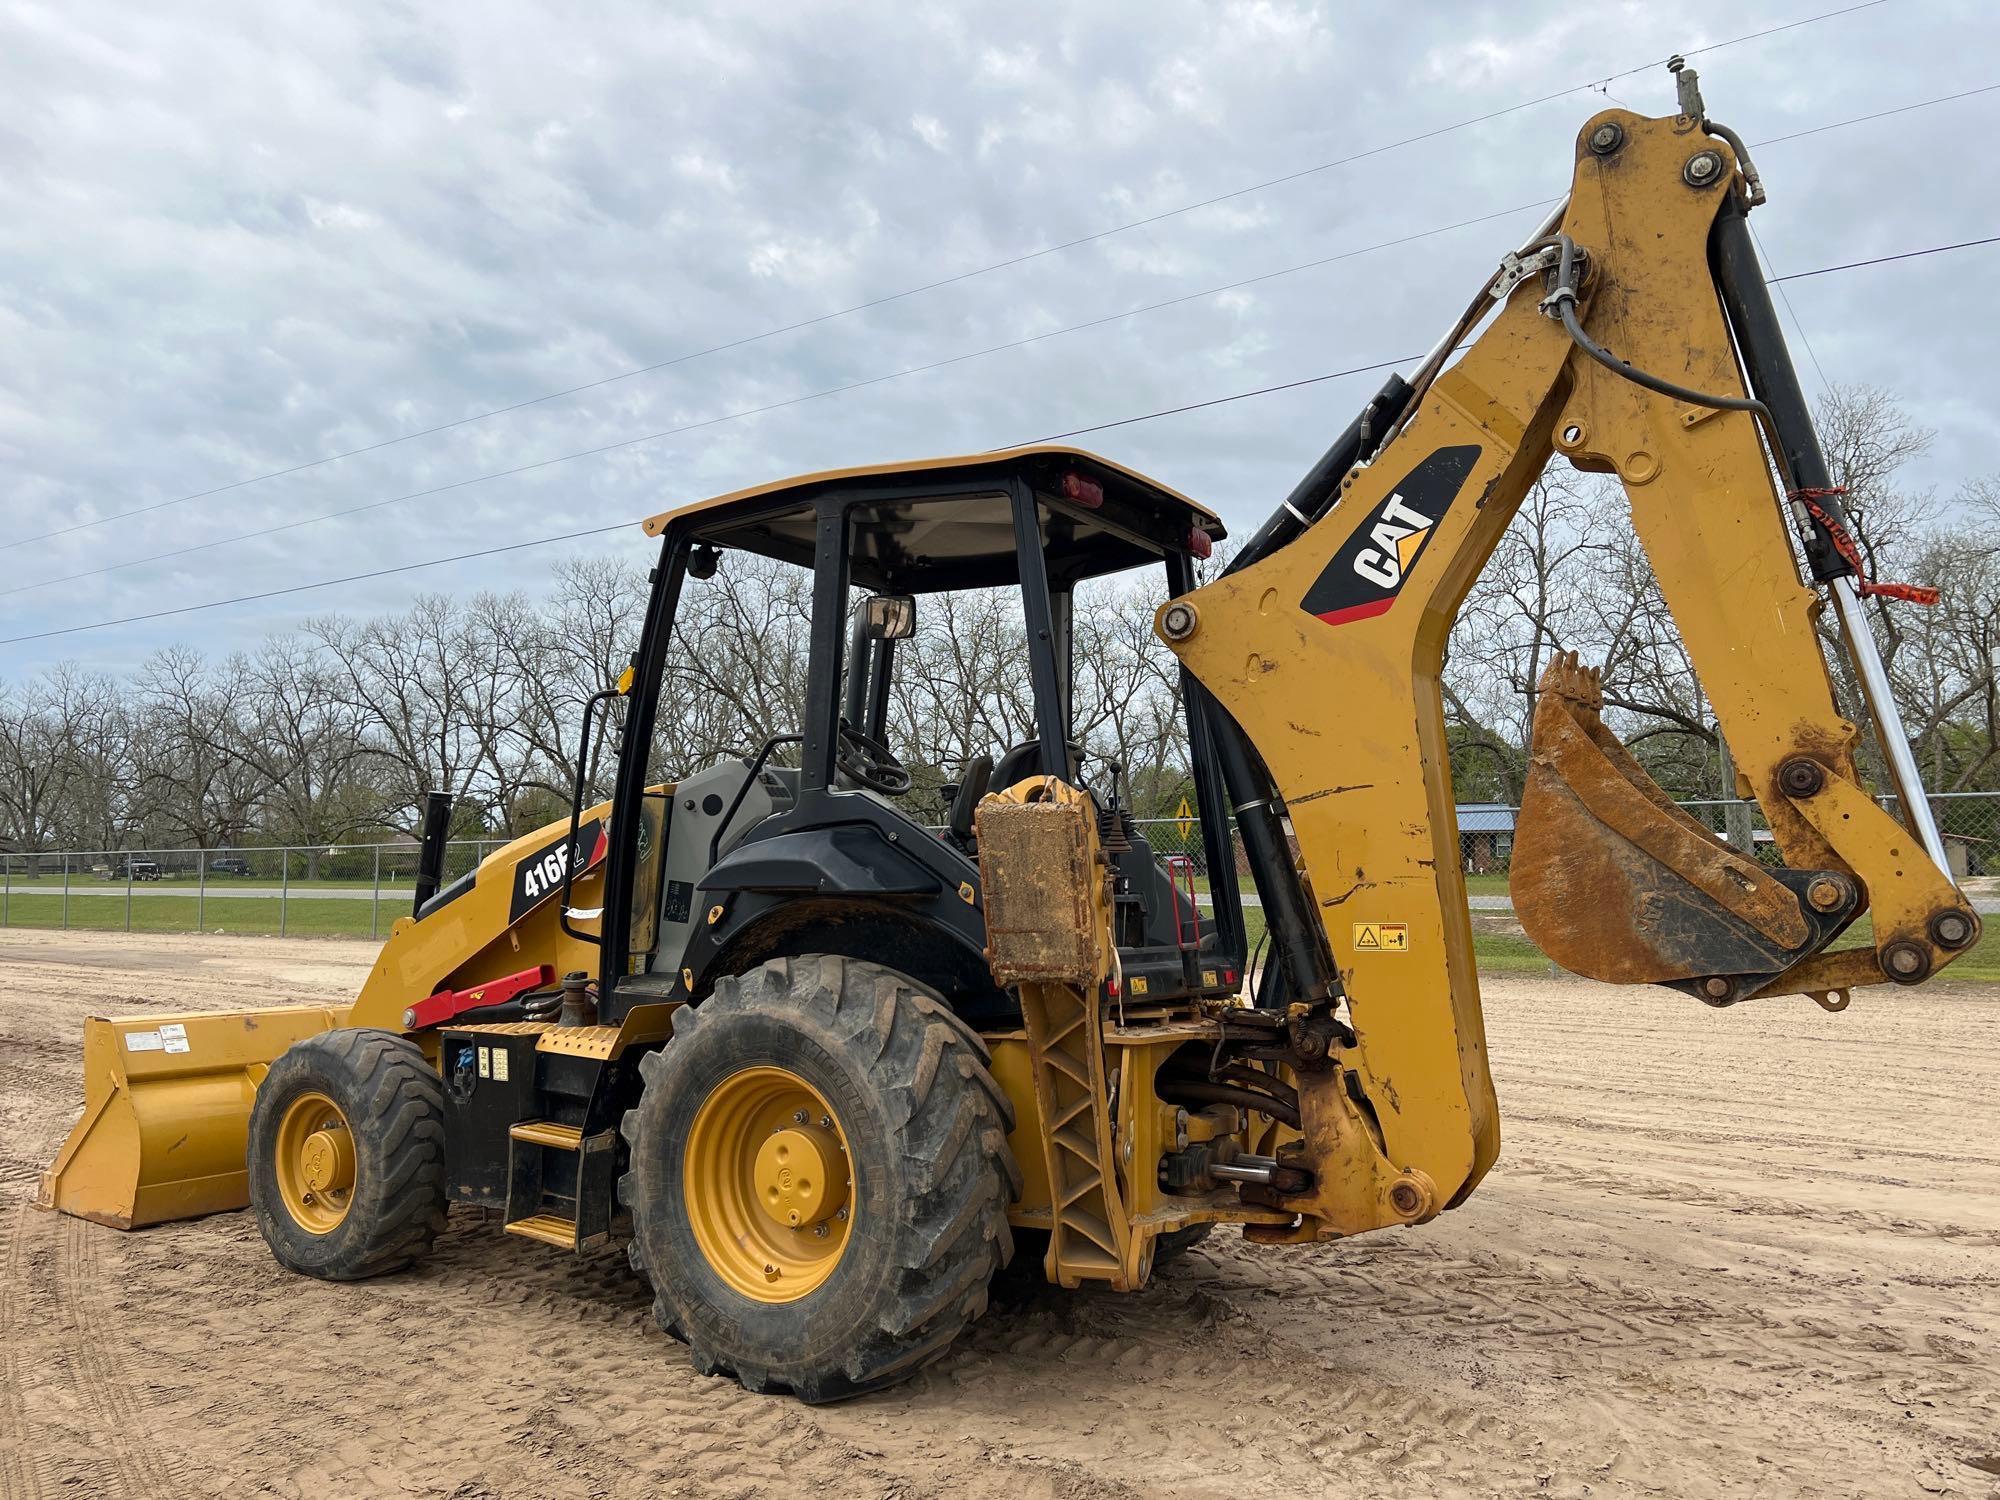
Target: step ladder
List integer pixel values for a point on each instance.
(560, 1184)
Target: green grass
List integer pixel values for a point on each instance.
(89, 883)
(251, 916)
(1981, 963)
(1510, 953)
(245, 916)
(1497, 952)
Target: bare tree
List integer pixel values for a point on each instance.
(194, 786)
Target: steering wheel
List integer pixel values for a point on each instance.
(866, 760)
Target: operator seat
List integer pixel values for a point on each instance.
(973, 783)
(1024, 760)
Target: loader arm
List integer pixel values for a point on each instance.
(1326, 653)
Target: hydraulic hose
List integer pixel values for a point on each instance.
(1177, 1090)
(1561, 300)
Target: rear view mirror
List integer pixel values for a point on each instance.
(891, 617)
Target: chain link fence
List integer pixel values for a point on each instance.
(358, 890)
(1969, 821)
(348, 890)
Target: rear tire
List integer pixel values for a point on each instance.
(357, 1107)
(923, 1127)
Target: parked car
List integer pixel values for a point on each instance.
(229, 864)
(141, 869)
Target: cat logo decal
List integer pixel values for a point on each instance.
(1367, 573)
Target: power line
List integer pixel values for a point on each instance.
(1171, 411)
(1175, 411)
(300, 588)
(324, 583)
(837, 390)
(931, 286)
(770, 406)
(1883, 260)
(1880, 114)
(1785, 294)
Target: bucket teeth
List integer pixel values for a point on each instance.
(1580, 686)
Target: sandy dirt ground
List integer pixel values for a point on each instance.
(1753, 1252)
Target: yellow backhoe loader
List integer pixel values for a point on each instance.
(826, 1070)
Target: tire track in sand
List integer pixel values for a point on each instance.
(115, 1417)
(21, 1472)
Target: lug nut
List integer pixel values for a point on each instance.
(819, 1231)
(1952, 929)
(1800, 777)
(799, 1116)
(1906, 962)
(1607, 138)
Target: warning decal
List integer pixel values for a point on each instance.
(1382, 937)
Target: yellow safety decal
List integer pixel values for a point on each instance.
(1382, 937)
(1137, 984)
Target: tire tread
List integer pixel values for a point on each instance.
(951, 1121)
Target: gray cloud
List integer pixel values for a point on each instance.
(236, 242)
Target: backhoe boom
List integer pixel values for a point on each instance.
(1325, 652)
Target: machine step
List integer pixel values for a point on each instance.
(548, 1228)
(547, 1133)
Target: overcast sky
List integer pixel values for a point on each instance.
(239, 237)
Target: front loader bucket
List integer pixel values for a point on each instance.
(166, 1113)
(1613, 881)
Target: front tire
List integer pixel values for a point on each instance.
(346, 1155)
(819, 1178)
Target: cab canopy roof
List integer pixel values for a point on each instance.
(948, 523)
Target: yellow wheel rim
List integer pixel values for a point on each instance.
(770, 1192)
(315, 1160)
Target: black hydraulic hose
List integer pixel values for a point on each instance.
(1313, 496)
(1296, 944)
(1771, 369)
(1237, 1074)
(1800, 457)
(1293, 928)
(430, 851)
(1562, 299)
(1201, 1091)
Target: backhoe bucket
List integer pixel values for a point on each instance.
(166, 1113)
(1615, 882)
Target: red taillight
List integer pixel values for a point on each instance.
(1229, 976)
(1198, 542)
(1111, 988)
(1087, 492)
